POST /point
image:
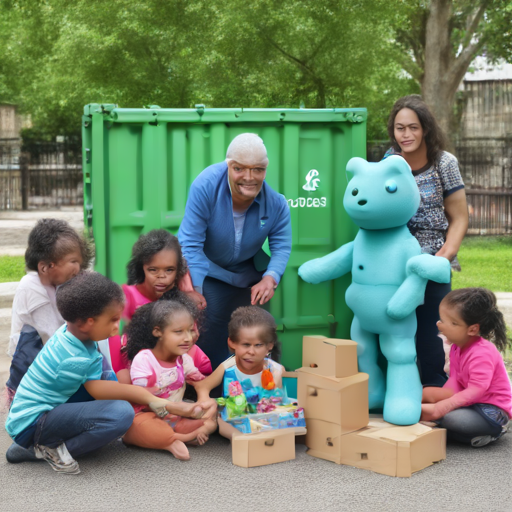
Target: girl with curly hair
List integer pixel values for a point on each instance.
(156, 270)
(160, 336)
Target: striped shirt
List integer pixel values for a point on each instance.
(62, 366)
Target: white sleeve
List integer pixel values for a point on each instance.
(45, 320)
(229, 362)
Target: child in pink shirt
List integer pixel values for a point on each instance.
(475, 404)
(156, 270)
(159, 338)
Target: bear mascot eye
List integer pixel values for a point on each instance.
(355, 192)
(391, 186)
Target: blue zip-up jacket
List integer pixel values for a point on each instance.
(207, 232)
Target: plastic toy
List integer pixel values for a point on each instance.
(267, 380)
(236, 403)
(254, 409)
(389, 276)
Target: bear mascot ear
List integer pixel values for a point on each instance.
(355, 166)
(395, 165)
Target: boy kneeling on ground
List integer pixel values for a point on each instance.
(44, 420)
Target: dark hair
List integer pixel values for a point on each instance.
(435, 138)
(50, 240)
(254, 316)
(139, 331)
(145, 248)
(87, 295)
(478, 306)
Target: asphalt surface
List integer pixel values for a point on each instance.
(118, 478)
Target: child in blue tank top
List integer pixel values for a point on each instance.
(252, 335)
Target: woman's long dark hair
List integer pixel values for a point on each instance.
(435, 138)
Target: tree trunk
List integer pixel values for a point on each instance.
(444, 69)
(437, 90)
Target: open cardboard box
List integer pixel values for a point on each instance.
(251, 450)
(380, 447)
(343, 402)
(329, 357)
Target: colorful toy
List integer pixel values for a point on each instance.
(252, 408)
(236, 403)
(267, 380)
(389, 276)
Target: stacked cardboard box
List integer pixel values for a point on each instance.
(332, 392)
(335, 400)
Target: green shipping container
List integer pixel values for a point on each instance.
(139, 165)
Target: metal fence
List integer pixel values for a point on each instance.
(486, 168)
(49, 175)
(40, 175)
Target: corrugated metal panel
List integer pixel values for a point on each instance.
(138, 168)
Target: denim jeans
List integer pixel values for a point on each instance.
(221, 299)
(84, 426)
(465, 423)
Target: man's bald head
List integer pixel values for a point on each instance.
(248, 149)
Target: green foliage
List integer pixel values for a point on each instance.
(479, 27)
(12, 268)
(58, 55)
(266, 53)
(485, 261)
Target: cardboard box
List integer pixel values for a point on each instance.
(329, 357)
(251, 450)
(343, 402)
(381, 447)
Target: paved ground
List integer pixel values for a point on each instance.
(130, 479)
(15, 226)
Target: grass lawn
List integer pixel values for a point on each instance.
(486, 262)
(12, 268)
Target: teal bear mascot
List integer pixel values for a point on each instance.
(389, 276)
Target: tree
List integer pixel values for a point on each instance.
(266, 53)
(439, 39)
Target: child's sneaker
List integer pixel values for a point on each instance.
(479, 441)
(59, 459)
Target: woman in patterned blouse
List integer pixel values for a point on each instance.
(441, 221)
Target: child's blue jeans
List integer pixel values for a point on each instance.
(466, 423)
(83, 427)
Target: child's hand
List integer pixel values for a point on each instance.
(428, 412)
(202, 436)
(209, 407)
(199, 300)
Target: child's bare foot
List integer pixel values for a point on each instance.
(179, 450)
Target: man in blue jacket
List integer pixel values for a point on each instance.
(230, 212)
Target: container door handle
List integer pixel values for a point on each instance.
(269, 442)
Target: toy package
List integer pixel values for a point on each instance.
(252, 409)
